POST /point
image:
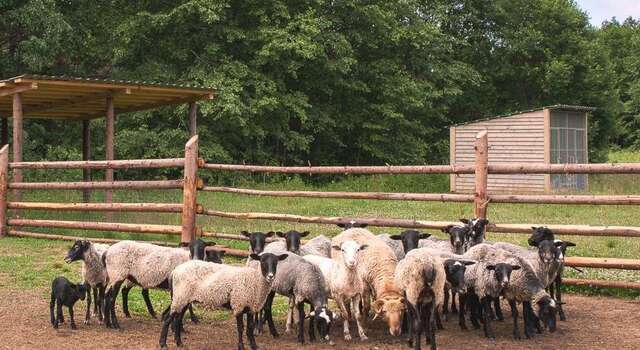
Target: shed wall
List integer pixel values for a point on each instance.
(514, 139)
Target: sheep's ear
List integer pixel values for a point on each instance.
(304, 234)
(559, 244)
(282, 257)
(341, 225)
(515, 267)
(569, 244)
(534, 228)
(491, 267)
(269, 234)
(447, 229)
(484, 221)
(424, 235)
(364, 246)
(335, 247)
(254, 256)
(465, 221)
(280, 234)
(363, 225)
(396, 237)
(468, 262)
(245, 233)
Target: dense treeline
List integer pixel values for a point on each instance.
(330, 82)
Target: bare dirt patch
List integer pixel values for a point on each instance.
(594, 323)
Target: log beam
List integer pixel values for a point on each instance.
(103, 185)
(4, 188)
(190, 191)
(17, 141)
(86, 156)
(109, 131)
(102, 164)
(120, 207)
(482, 161)
(99, 226)
(193, 111)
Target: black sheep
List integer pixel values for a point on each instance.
(63, 292)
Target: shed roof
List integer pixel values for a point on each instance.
(64, 97)
(553, 107)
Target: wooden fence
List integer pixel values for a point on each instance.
(191, 184)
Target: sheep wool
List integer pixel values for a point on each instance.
(478, 277)
(93, 272)
(396, 246)
(419, 271)
(319, 245)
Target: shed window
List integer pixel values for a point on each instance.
(568, 145)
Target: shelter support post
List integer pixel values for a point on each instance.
(17, 143)
(4, 185)
(189, 193)
(481, 200)
(193, 112)
(4, 131)
(86, 155)
(109, 131)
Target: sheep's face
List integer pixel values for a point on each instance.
(268, 264)
(350, 250)
(392, 309)
(410, 239)
(502, 272)
(457, 237)
(562, 248)
(77, 251)
(476, 229)
(352, 224)
(257, 240)
(214, 256)
(540, 234)
(197, 249)
(455, 270)
(322, 317)
(292, 239)
(548, 252)
(545, 310)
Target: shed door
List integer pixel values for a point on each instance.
(568, 145)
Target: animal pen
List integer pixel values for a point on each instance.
(12, 225)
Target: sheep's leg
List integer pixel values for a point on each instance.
(112, 304)
(527, 320)
(147, 301)
(192, 315)
(180, 321)
(486, 306)
(366, 301)
(461, 318)
(359, 318)
(312, 325)
(558, 296)
(437, 320)
(300, 306)
(95, 301)
(100, 302)
(125, 301)
(87, 316)
(178, 326)
(52, 305)
(269, 316)
(496, 305)
(240, 326)
(445, 306)
(290, 317)
(514, 314)
(73, 322)
(105, 307)
(168, 320)
(453, 301)
(345, 317)
(432, 320)
(58, 312)
(411, 315)
(426, 326)
(475, 310)
(250, 325)
(417, 327)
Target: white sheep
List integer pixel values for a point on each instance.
(244, 290)
(342, 280)
(421, 276)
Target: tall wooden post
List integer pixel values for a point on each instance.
(86, 155)
(189, 192)
(193, 111)
(482, 160)
(109, 132)
(4, 184)
(4, 131)
(17, 143)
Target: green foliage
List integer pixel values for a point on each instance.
(326, 82)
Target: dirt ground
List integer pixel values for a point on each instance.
(594, 323)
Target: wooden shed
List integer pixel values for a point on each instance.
(550, 135)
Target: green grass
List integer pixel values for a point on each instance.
(33, 263)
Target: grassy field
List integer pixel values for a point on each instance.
(32, 263)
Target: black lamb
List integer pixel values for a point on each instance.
(63, 292)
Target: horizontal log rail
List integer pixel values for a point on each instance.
(496, 168)
(102, 164)
(124, 207)
(600, 283)
(27, 234)
(100, 226)
(576, 230)
(238, 237)
(603, 263)
(114, 185)
(438, 197)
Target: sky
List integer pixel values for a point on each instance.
(600, 10)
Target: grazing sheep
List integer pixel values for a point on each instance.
(342, 282)
(485, 281)
(63, 292)
(376, 268)
(422, 277)
(409, 239)
(526, 287)
(300, 281)
(244, 290)
(144, 264)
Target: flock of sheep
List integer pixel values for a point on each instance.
(407, 279)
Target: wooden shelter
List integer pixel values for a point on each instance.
(83, 99)
(548, 135)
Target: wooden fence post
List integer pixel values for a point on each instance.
(482, 159)
(4, 187)
(189, 192)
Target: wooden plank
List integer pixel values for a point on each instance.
(17, 89)
(121, 207)
(98, 85)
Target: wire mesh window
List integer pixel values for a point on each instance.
(568, 145)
